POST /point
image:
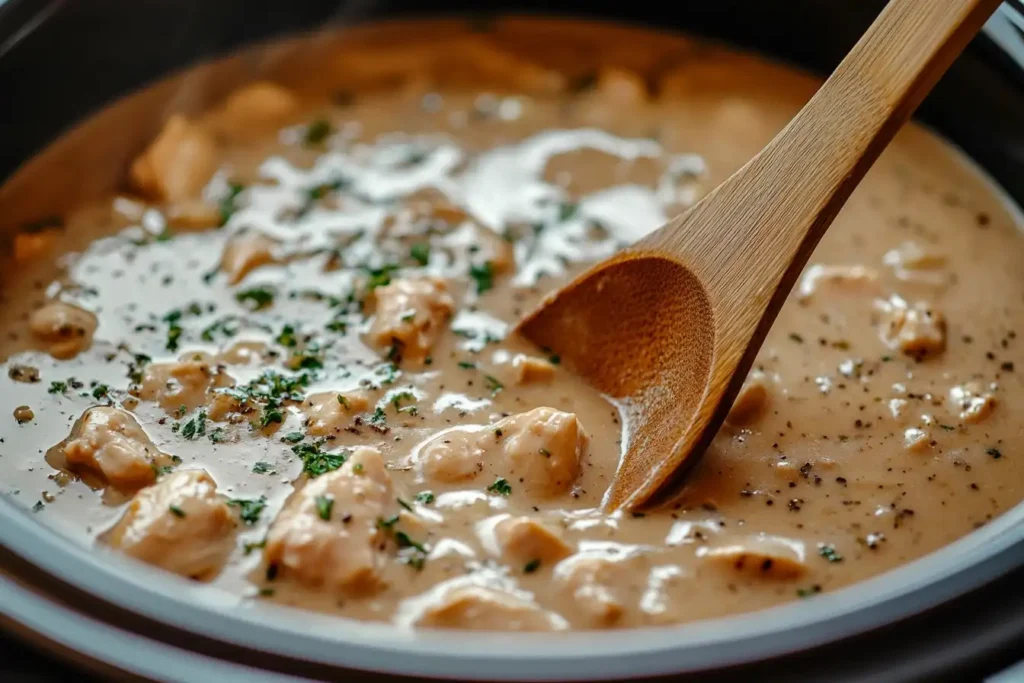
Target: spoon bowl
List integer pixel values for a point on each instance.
(653, 310)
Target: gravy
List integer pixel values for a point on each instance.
(280, 360)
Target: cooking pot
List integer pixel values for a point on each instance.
(956, 614)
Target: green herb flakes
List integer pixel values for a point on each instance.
(255, 298)
(500, 486)
(420, 253)
(317, 132)
(828, 551)
(324, 505)
(249, 509)
(483, 276)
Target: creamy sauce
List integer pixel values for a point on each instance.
(405, 459)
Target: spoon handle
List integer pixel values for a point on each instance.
(779, 205)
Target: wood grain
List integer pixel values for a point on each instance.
(673, 324)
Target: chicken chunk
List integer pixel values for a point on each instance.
(63, 330)
(181, 383)
(916, 440)
(178, 163)
(243, 353)
(616, 92)
(532, 370)
(854, 278)
(592, 582)
(245, 253)
(454, 455)
(542, 449)
(253, 110)
(29, 245)
(913, 262)
(971, 402)
(761, 555)
(110, 443)
(487, 609)
(329, 413)
(328, 536)
(917, 330)
(488, 247)
(411, 314)
(751, 401)
(193, 214)
(180, 524)
(529, 543)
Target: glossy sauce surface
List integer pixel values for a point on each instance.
(290, 332)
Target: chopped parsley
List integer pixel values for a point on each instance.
(397, 399)
(315, 461)
(531, 566)
(293, 437)
(808, 592)
(256, 298)
(425, 497)
(100, 391)
(483, 275)
(324, 506)
(249, 547)
(567, 211)
(136, 366)
(405, 504)
(317, 132)
(196, 427)
(287, 337)
(948, 428)
(404, 541)
(57, 387)
(270, 416)
(466, 365)
(829, 552)
(493, 384)
(378, 277)
(261, 467)
(226, 326)
(249, 509)
(420, 253)
(176, 511)
(218, 435)
(411, 552)
(500, 486)
(386, 523)
(227, 203)
(378, 418)
(358, 468)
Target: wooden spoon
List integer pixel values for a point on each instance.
(672, 325)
